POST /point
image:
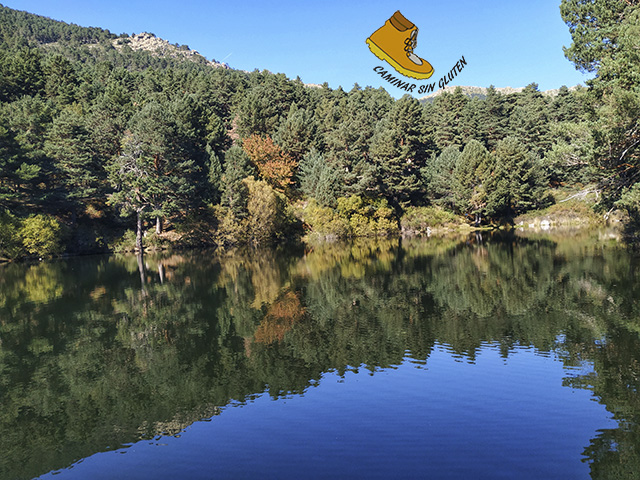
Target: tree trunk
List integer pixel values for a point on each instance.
(161, 272)
(139, 231)
(143, 274)
(158, 225)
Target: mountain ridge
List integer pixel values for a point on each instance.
(481, 92)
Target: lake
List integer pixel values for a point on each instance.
(481, 356)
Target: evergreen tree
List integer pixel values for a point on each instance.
(214, 176)
(237, 167)
(174, 172)
(469, 172)
(29, 171)
(529, 119)
(297, 134)
(21, 73)
(440, 179)
(397, 150)
(514, 181)
(319, 179)
(10, 166)
(153, 176)
(68, 144)
(448, 110)
(61, 81)
(606, 40)
(492, 119)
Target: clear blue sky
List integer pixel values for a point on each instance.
(505, 42)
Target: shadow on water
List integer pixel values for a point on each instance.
(97, 353)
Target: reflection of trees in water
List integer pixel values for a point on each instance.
(91, 359)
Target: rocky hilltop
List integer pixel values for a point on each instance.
(162, 48)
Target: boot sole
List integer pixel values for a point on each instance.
(378, 52)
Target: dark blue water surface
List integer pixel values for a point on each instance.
(481, 358)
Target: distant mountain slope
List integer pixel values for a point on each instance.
(481, 92)
(20, 29)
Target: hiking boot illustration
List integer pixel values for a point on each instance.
(394, 42)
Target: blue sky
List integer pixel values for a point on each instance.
(505, 42)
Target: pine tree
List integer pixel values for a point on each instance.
(515, 182)
(493, 118)
(468, 173)
(153, 175)
(237, 167)
(297, 134)
(529, 119)
(10, 165)
(397, 150)
(61, 81)
(319, 179)
(448, 110)
(440, 179)
(606, 40)
(68, 144)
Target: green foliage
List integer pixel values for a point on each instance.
(594, 30)
(630, 201)
(446, 114)
(514, 183)
(354, 217)
(606, 40)
(324, 221)
(570, 158)
(126, 243)
(10, 241)
(297, 134)
(41, 235)
(529, 120)
(469, 175)
(76, 111)
(398, 148)
(268, 216)
(439, 177)
(422, 220)
(69, 146)
(319, 179)
(237, 166)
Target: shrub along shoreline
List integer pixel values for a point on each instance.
(270, 220)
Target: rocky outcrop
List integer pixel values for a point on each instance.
(162, 48)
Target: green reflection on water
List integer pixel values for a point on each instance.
(99, 352)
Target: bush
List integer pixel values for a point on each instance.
(41, 235)
(354, 217)
(416, 220)
(324, 221)
(231, 229)
(269, 217)
(127, 243)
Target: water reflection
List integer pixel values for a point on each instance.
(101, 352)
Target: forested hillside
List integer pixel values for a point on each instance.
(104, 147)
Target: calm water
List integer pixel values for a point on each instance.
(478, 357)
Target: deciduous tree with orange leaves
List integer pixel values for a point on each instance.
(274, 165)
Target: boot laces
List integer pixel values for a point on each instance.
(411, 42)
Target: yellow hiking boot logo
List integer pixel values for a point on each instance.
(394, 43)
